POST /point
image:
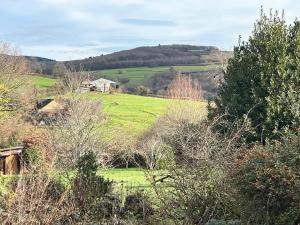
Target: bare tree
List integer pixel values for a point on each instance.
(12, 69)
(187, 102)
(76, 131)
(70, 79)
(184, 87)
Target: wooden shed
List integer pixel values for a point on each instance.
(11, 160)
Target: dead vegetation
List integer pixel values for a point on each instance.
(37, 199)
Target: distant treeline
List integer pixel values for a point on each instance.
(161, 55)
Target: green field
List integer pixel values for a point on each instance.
(131, 177)
(132, 113)
(137, 76)
(140, 75)
(42, 81)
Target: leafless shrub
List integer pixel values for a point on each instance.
(120, 148)
(151, 146)
(152, 151)
(13, 130)
(76, 131)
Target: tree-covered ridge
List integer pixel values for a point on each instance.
(162, 55)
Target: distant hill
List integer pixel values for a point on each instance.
(39, 59)
(161, 55)
(41, 65)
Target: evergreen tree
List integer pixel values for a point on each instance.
(262, 80)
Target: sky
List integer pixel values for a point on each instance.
(76, 29)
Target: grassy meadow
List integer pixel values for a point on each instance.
(131, 113)
(42, 82)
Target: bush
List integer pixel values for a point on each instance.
(193, 141)
(123, 80)
(195, 190)
(90, 190)
(194, 195)
(268, 183)
(33, 158)
(142, 90)
(222, 222)
(137, 205)
(126, 159)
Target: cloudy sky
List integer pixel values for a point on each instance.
(74, 29)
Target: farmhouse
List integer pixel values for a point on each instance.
(11, 160)
(104, 85)
(101, 85)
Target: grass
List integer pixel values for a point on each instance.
(131, 177)
(132, 113)
(125, 180)
(5, 184)
(140, 75)
(42, 82)
(132, 180)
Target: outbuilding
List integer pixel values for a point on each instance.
(104, 85)
(11, 160)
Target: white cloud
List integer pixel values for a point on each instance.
(39, 25)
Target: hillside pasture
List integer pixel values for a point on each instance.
(140, 75)
(128, 113)
(42, 82)
(132, 114)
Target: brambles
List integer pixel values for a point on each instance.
(267, 180)
(37, 199)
